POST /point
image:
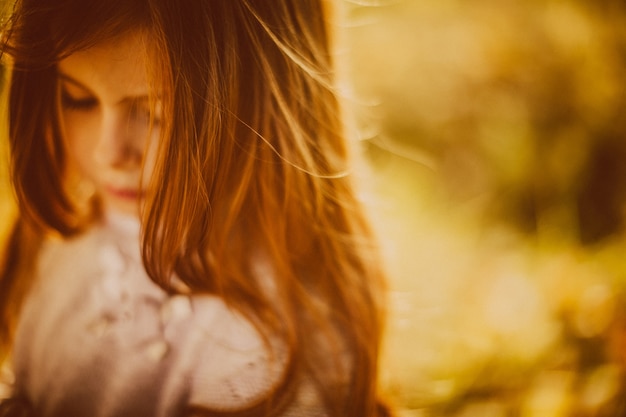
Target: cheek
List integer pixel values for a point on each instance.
(80, 143)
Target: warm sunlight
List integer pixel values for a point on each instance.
(492, 135)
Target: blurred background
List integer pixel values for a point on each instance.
(492, 136)
(493, 132)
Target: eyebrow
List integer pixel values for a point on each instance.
(125, 99)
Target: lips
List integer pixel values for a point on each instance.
(124, 193)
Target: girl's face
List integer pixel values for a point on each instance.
(105, 109)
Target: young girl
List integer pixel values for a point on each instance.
(188, 239)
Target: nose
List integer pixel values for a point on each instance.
(117, 145)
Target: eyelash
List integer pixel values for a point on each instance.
(89, 103)
(77, 104)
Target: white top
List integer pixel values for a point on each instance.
(98, 338)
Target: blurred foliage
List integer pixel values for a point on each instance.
(495, 131)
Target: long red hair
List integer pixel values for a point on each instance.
(252, 172)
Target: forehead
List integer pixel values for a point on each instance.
(119, 65)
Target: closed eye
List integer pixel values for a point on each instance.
(72, 103)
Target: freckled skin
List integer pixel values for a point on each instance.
(106, 115)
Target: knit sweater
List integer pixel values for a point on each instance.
(98, 338)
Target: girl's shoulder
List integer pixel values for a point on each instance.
(235, 367)
(231, 365)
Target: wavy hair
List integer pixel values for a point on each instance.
(252, 172)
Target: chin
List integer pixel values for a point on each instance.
(121, 207)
